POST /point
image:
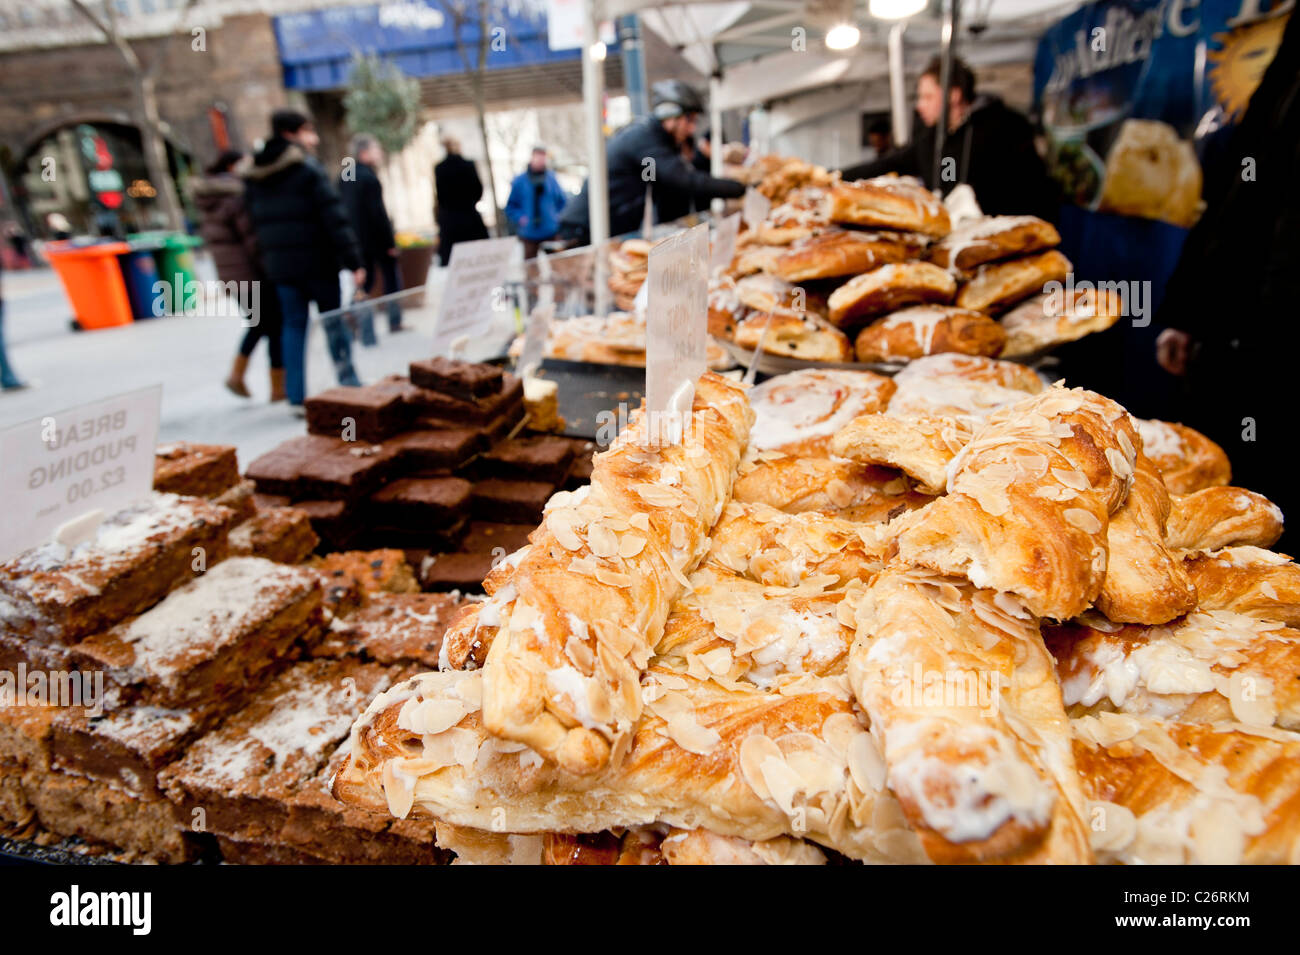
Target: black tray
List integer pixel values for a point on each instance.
(586, 390)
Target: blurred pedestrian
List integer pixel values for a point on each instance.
(305, 240)
(227, 229)
(535, 203)
(363, 197)
(457, 191)
(8, 380)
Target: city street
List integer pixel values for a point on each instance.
(188, 356)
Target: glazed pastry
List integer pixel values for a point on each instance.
(1218, 517)
(840, 252)
(827, 485)
(1175, 793)
(1187, 459)
(800, 412)
(981, 764)
(1029, 501)
(929, 330)
(593, 591)
(890, 202)
(1145, 581)
(973, 368)
(1247, 580)
(763, 293)
(701, 847)
(795, 335)
(999, 285)
(993, 238)
(919, 445)
(755, 258)
(1202, 668)
(887, 289)
(1053, 318)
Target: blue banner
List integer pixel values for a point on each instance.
(419, 36)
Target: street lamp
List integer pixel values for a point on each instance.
(842, 36)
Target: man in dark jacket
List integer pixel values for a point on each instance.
(227, 231)
(457, 191)
(646, 155)
(363, 197)
(305, 241)
(989, 146)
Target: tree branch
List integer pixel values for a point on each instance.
(111, 35)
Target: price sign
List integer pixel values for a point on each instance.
(677, 321)
(755, 208)
(539, 324)
(724, 242)
(65, 467)
(474, 295)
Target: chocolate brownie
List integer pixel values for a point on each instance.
(346, 471)
(135, 558)
(420, 502)
(331, 521)
(460, 379)
(463, 572)
(198, 470)
(487, 536)
(414, 536)
(245, 773)
(282, 534)
(538, 458)
(461, 412)
(211, 639)
(266, 501)
(580, 471)
(434, 450)
(373, 571)
(366, 413)
(276, 472)
(515, 502)
(393, 629)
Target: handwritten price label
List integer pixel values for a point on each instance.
(677, 321)
(60, 468)
(472, 299)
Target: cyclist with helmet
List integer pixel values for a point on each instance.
(646, 155)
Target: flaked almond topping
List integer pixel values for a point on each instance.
(1072, 478)
(559, 524)
(839, 492)
(677, 536)
(640, 521)
(658, 495)
(630, 545)
(1085, 521)
(612, 579)
(602, 541)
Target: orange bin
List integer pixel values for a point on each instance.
(93, 281)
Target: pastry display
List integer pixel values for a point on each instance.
(921, 330)
(1000, 284)
(892, 202)
(888, 288)
(796, 334)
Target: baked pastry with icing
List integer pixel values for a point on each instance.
(992, 238)
(800, 412)
(840, 252)
(920, 445)
(890, 202)
(974, 368)
(1187, 459)
(1167, 793)
(827, 485)
(981, 764)
(795, 335)
(1216, 517)
(998, 285)
(921, 330)
(1247, 580)
(887, 289)
(1054, 318)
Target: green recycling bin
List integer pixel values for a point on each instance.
(174, 253)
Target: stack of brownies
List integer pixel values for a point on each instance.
(437, 464)
(229, 680)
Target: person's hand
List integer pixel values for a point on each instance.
(359, 276)
(1172, 348)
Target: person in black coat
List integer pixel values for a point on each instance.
(305, 240)
(363, 197)
(990, 145)
(648, 154)
(1229, 308)
(457, 191)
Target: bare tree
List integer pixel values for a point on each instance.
(462, 13)
(144, 82)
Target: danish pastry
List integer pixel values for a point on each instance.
(800, 412)
(766, 293)
(998, 285)
(1247, 580)
(890, 202)
(1055, 318)
(920, 445)
(1216, 517)
(840, 252)
(993, 238)
(1187, 459)
(887, 289)
(795, 335)
(1004, 374)
(802, 215)
(929, 330)
(964, 387)
(827, 485)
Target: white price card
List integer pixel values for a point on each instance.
(539, 323)
(724, 242)
(677, 323)
(66, 467)
(755, 208)
(475, 293)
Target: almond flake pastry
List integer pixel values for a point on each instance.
(960, 620)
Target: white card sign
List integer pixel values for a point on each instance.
(539, 324)
(475, 291)
(755, 208)
(724, 242)
(65, 467)
(677, 321)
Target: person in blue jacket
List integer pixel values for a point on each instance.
(536, 201)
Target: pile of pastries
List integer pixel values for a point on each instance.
(874, 271)
(618, 338)
(952, 616)
(629, 263)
